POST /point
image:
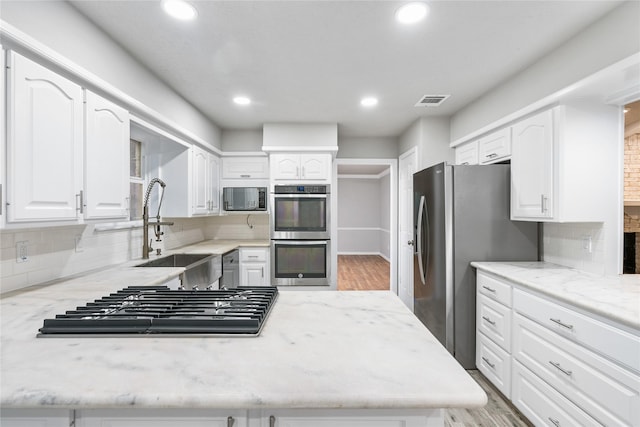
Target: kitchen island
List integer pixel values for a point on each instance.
(336, 354)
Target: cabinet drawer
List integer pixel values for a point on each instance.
(253, 255)
(615, 343)
(494, 320)
(494, 288)
(609, 393)
(494, 363)
(541, 404)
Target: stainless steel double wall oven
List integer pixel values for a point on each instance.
(300, 235)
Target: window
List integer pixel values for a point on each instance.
(136, 182)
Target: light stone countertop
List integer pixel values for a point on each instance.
(318, 349)
(613, 297)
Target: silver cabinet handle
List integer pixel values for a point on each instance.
(489, 320)
(262, 272)
(272, 421)
(245, 176)
(488, 288)
(303, 173)
(560, 368)
(543, 203)
(491, 365)
(464, 163)
(230, 421)
(80, 198)
(491, 156)
(554, 422)
(559, 322)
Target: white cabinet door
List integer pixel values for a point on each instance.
(495, 147)
(160, 418)
(205, 183)
(285, 166)
(45, 130)
(467, 154)
(106, 158)
(315, 166)
(351, 418)
(303, 167)
(253, 274)
(200, 188)
(249, 167)
(214, 184)
(35, 417)
(532, 167)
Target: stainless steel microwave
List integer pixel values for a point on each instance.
(244, 198)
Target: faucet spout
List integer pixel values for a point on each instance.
(146, 246)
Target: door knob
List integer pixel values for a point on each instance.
(410, 243)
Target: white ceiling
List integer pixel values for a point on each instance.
(312, 61)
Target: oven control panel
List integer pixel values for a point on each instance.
(301, 189)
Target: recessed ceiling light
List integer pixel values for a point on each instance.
(242, 100)
(411, 13)
(369, 101)
(179, 9)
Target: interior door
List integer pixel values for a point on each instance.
(407, 167)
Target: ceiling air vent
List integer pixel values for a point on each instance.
(431, 100)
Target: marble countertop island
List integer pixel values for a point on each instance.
(615, 297)
(323, 349)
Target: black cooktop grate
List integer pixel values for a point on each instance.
(160, 310)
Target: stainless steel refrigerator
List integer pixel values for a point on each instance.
(461, 214)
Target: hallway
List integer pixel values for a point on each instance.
(363, 273)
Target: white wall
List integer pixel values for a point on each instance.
(60, 27)
(241, 140)
(364, 216)
(611, 39)
(431, 136)
(300, 135)
(367, 148)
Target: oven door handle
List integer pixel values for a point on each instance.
(300, 242)
(299, 196)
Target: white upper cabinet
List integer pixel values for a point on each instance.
(561, 163)
(44, 143)
(532, 168)
(300, 167)
(106, 159)
(495, 147)
(205, 185)
(249, 167)
(467, 154)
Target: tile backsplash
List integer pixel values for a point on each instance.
(61, 251)
(568, 244)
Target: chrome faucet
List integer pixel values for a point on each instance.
(146, 247)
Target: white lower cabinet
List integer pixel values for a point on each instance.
(542, 404)
(35, 417)
(161, 418)
(352, 418)
(563, 367)
(254, 267)
(222, 418)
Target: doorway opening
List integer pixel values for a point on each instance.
(366, 224)
(631, 255)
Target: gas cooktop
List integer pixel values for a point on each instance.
(160, 310)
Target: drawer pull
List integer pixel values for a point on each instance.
(488, 288)
(489, 320)
(491, 365)
(554, 422)
(560, 368)
(491, 156)
(230, 421)
(559, 322)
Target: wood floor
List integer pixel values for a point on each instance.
(363, 273)
(496, 413)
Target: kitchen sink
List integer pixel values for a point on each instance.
(176, 260)
(201, 270)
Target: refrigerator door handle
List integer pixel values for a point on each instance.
(421, 208)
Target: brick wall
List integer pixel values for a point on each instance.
(632, 168)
